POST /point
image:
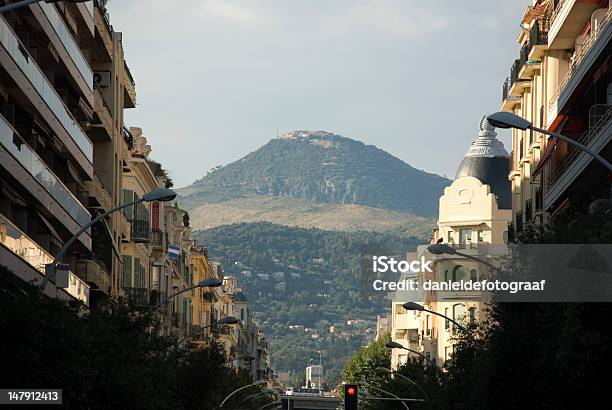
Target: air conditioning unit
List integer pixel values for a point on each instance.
(102, 78)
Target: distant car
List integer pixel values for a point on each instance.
(289, 391)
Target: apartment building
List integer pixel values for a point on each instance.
(561, 81)
(64, 85)
(204, 299)
(474, 214)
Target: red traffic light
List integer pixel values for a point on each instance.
(351, 397)
(351, 391)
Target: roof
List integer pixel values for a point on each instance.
(488, 161)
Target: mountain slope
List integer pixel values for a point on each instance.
(324, 168)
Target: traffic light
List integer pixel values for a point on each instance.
(351, 394)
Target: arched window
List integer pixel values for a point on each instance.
(473, 275)
(458, 273)
(242, 314)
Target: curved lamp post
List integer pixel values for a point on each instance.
(24, 3)
(505, 119)
(368, 385)
(159, 194)
(416, 306)
(395, 345)
(442, 248)
(206, 283)
(274, 403)
(245, 357)
(256, 383)
(384, 370)
(258, 395)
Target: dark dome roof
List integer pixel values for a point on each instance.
(241, 297)
(489, 162)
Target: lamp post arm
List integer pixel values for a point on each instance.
(17, 5)
(176, 294)
(471, 257)
(578, 145)
(386, 392)
(413, 383)
(234, 392)
(74, 237)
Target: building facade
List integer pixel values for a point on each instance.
(560, 82)
(474, 216)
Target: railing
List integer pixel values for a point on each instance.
(93, 271)
(578, 57)
(43, 87)
(557, 6)
(37, 257)
(599, 116)
(157, 238)
(538, 35)
(128, 138)
(156, 297)
(140, 230)
(506, 89)
(519, 222)
(38, 169)
(137, 296)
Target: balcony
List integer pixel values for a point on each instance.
(103, 28)
(567, 21)
(99, 194)
(508, 101)
(538, 40)
(103, 129)
(137, 296)
(95, 273)
(130, 88)
(25, 248)
(158, 239)
(41, 173)
(156, 297)
(140, 231)
(597, 137)
(582, 60)
(44, 98)
(65, 45)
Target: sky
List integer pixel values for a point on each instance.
(217, 79)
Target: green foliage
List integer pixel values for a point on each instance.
(106, 358)
(540, 355)
(363, 363)
(330, 287)
(327, 168)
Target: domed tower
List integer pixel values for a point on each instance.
(488, 161)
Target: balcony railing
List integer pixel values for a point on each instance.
(62, 32)
(599, 116)
(506, 89)
(128, 138)
(29, 160)
(44, 88)
(158, 239)
(140, 230)
(137, 296)
(93, 271)
(579, 54)
(32, 253)
(156, 297)
(537, 35)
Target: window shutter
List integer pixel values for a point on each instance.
(127, 271)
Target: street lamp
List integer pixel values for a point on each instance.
(228, 320)
(505, 119)
(245, 357)
(416, 306)
(262, 393)
(384, 370)
(368, 385)
(274, 403)
(24, 3)
(206, 283)
(442, 248)
(256, 383)
(395, 345)
(159, 194)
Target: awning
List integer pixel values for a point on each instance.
(550, 146)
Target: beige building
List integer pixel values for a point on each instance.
(474, 214)
(561, 82)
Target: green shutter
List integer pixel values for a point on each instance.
(127, 271)
(128, 196)
(137, 273)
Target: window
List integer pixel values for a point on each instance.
(473, 275)
(480, 235)
(242, 314)
(458, 313)
(446, 277)
(472, 311)
(138, 274)
(465, 235)
(450, 238)
(446, 353)
(446, 321)
(127, 271)
(128, 196)
(402, 359)
(427, 326)
(458, 273)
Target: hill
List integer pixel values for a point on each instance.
(323, 168)
(300, 281)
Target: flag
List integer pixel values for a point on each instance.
(174, 251)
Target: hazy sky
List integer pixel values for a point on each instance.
(216, 79)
